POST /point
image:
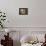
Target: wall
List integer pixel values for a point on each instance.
(34, 21)
(35, 18)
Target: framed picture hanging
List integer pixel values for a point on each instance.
(23, 11)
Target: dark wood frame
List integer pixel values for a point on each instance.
(26, 11)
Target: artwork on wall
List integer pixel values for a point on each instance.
(2, 19)
(23, 11)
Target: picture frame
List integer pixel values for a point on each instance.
(23, 11)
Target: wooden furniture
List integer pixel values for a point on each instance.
(44, 44)
(8, 41)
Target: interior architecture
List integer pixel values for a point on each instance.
(22, 22)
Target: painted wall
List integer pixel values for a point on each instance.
(36, 13)
(34, 21)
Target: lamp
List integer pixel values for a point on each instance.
(7, 31)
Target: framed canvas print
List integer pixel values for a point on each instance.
(23, 11)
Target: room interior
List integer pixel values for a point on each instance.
(22, 22)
